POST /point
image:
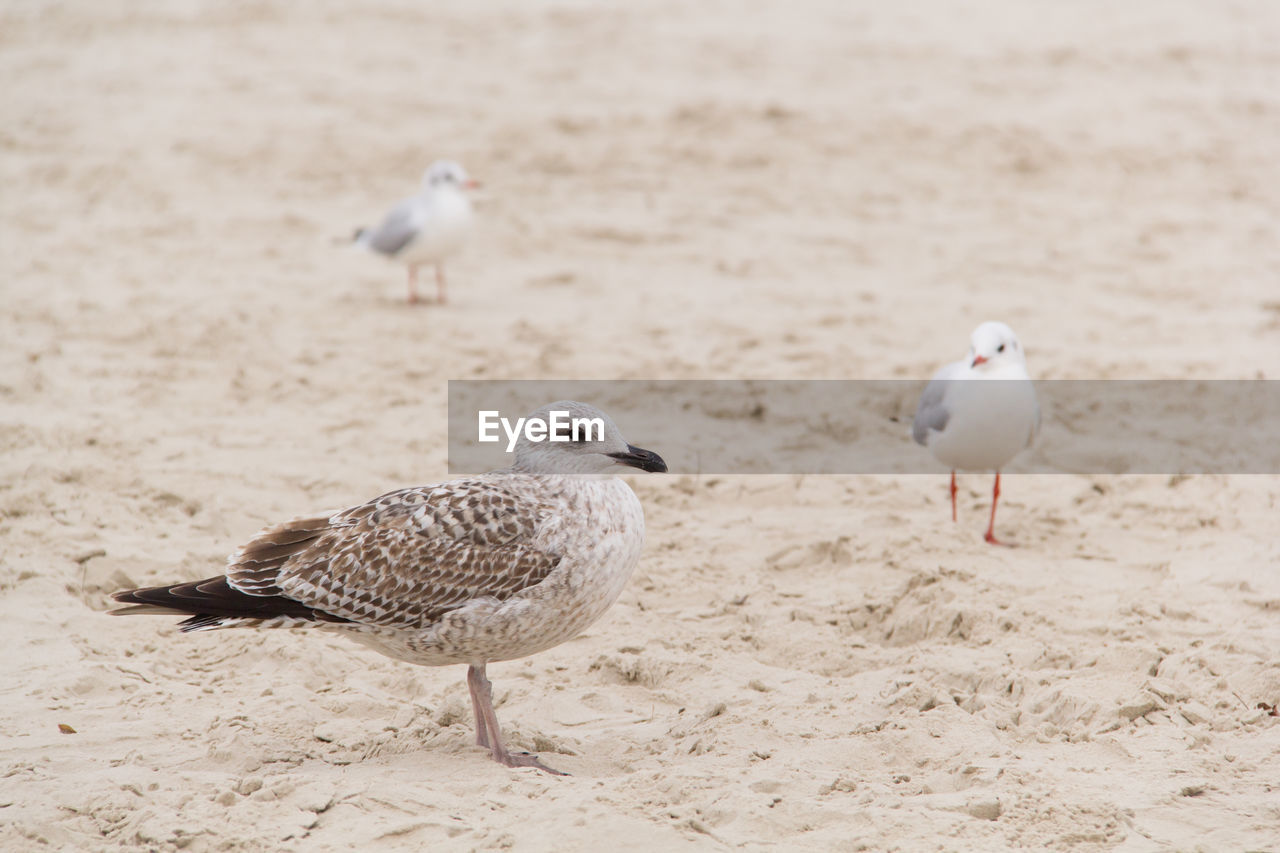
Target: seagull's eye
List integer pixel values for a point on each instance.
(1000, 348)
(565, 433)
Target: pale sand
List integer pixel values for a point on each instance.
(674, 190)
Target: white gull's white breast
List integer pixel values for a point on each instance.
(443, 225)
(990, 420)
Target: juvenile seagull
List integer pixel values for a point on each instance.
(426, 228)
(980, 425)
(486, 568)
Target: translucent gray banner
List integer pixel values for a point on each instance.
(864, 426)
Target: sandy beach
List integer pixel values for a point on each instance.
(675, 191)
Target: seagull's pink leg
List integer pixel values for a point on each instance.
(440, 294)
(953, 495)
(413, 284)
(482, 691)
(991, 528)
(475, 683)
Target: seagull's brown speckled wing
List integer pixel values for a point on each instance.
(405, 558)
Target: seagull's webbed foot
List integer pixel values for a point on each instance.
(524, 759)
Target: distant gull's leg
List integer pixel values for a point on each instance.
(413, 284)
(991, 528)
(475, 677)
(484, 689)
(953, 495)
(440, 295)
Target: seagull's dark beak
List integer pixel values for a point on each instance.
(978, 359)
(638, 457)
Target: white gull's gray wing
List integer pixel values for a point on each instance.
(932, 413)
(398, 229)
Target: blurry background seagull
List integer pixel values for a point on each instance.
(473, 570)
(977, 414)
(426, 228)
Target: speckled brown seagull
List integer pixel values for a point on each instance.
(486, 568)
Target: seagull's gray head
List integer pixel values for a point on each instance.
(574, 438)
(992, 345)
(447, 173)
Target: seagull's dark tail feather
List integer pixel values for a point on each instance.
(213, 603)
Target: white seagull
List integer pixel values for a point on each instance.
(971, 423)
(486, 568)
(426, 228)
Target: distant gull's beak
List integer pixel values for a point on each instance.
(979, 359)
(638, 457)
(472, 184)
